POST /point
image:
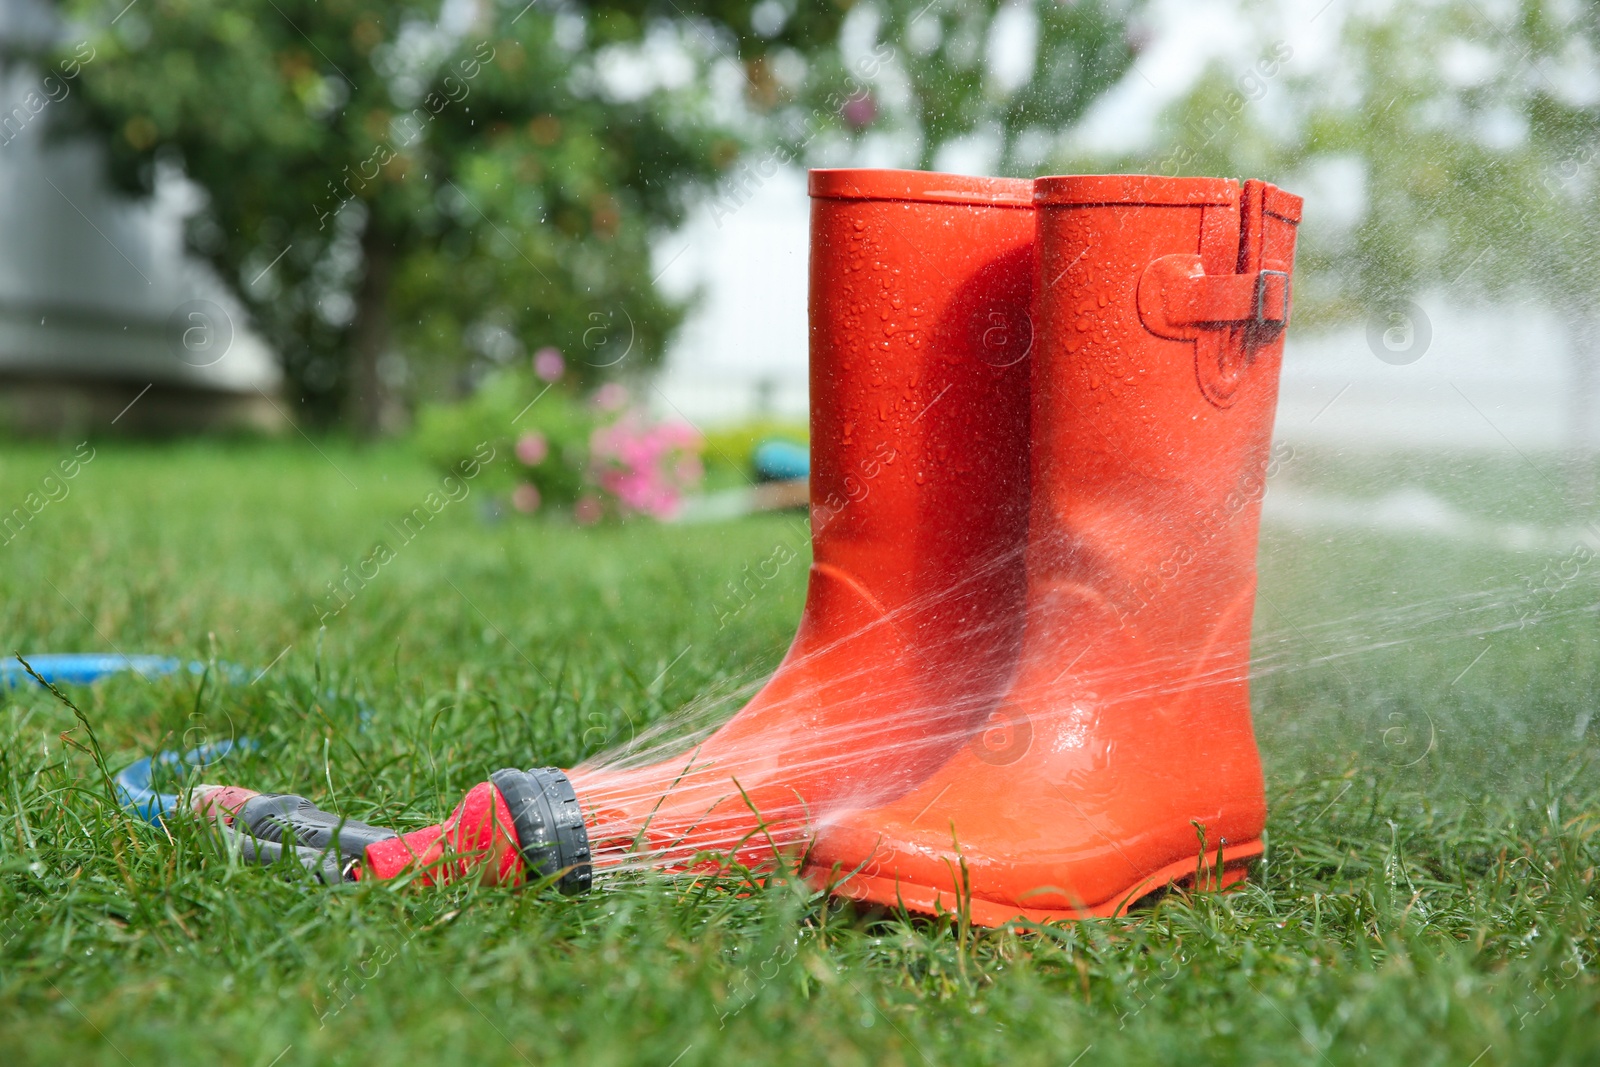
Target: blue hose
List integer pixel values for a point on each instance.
(135, 784)
(137, 790)
(82, 668)
(85, 668)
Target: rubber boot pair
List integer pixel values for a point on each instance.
(1041, 419)
(1121, 757)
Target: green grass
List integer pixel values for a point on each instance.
(1429, 896)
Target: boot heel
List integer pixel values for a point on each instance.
(1237, 862)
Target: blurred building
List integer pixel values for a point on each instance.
(103, 317)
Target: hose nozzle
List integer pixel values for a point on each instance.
(519, 826)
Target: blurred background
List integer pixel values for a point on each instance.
(341, 217)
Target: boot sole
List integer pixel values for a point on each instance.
(892, 892)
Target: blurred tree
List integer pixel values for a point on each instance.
(432, 175)
(1479, 136)
(1482, 150)
(464, 179)
(1018, 72)
(1470, 142)
(1475, 168)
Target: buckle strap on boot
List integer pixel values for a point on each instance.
(1176, 292)
(1240, 309)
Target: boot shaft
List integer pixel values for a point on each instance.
(1161, 314)
(921, 287)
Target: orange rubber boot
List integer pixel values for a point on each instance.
(921, 286)
(1125, 738)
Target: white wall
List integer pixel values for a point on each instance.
(743, 350)
(1491, 378)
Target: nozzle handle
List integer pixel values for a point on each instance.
(323, 864)
(286, 819)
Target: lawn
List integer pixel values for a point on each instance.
(1428, 896)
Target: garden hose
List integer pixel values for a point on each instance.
(82, 668)
(547, 837)
(138, 791)
(263, 828)
(259, 828)
(271, 825)
(536, 809)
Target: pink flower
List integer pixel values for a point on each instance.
(645, 465)
(525, 498)
(611, 397)
(587, 511)
(532, 448)
(548, 365)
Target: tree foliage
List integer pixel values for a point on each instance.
(380, 176)
(1470, 142)
(401, 190)
(943, 52)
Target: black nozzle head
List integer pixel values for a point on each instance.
(549, 826)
